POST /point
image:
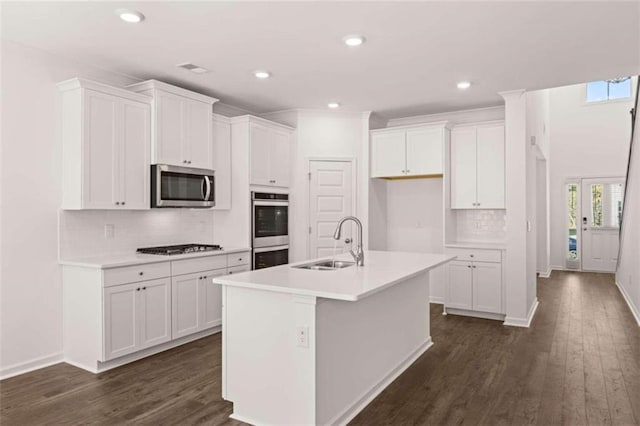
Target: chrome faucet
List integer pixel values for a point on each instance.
(358, 255)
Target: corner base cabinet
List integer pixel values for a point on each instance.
(115, 315)
(475, 283)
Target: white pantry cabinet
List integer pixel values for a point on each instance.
(408, 151)
(269, 145)
(181, 123)
(477, 158)
(475, 282)
(106, 134)
(136, 316)
(222, 161)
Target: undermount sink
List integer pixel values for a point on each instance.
(325, 265)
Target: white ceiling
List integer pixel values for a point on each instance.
(414, 54)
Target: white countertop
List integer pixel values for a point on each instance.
(478, 245)
(381, 270)
(116, 261)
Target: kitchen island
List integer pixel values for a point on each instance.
(304, 347)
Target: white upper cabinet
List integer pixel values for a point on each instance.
(478, 167)
(106, 134)
(182, 125)
(269, 146)
(408, 151)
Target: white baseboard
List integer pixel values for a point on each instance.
(474, 314)
(349, 413)
(632, 307)
(523, 322)
(34, 364)
(545, 274)
(436, 299)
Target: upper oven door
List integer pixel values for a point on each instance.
(270, 223)
(174, 186)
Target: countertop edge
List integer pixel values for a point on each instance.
(97, 263)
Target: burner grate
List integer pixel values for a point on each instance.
(179, 249)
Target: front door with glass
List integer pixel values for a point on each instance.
(600, 223)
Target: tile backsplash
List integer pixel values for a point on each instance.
(82, 233)
(481, 225)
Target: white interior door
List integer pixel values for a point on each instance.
(601, 212)
(331, 195)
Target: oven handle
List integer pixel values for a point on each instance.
(274, 248)
(271, 203)
(208, 182)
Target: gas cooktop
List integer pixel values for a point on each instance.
(179, 249)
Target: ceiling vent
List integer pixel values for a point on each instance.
(193, 68)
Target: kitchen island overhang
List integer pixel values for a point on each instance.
(315, 347)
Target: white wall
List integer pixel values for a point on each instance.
(31, 294)
(628, 274)
(587, 140)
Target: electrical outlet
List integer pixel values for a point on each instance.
(109, 230)
(302, 336)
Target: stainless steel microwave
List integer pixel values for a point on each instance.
(174, 186)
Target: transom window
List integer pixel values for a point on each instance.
(608, 90)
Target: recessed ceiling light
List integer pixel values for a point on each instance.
(130, 16)
(353, 40)
(333, 104)
(193, 68)
(262, 74)
(464, 85)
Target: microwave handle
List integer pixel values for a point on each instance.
(208, 193)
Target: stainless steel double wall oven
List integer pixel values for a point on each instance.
(270, 229)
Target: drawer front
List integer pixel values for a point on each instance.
(238, 269)
(190, 266)
(479, 255)
(132, 274)
(238, 259)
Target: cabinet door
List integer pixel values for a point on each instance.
(388, 154)
(211, 300)
(424, 152)
(100, 189)
(280, 160)
(459, 288)
(463, 168)
(120, 320)
(261, 147)
(490, 165)
(134, 155)
(170, 129)
(487, 287)
(155, 312)
(222, 163)
(198, 142)
(185, 305)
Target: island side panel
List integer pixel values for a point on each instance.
(269, 375)
(362, 346)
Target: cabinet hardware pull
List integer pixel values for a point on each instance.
(239, 258)
(122, 203)
(470, 255)
(468, 266)
(138, 289)
(144, 288)
(140, 273)
(408, 171)
(117, 203)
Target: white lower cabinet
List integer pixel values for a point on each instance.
(136, 316)
(475, 281)
(113, 312)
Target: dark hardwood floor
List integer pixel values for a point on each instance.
(579, 363)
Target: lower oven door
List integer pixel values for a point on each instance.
(266, 257)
